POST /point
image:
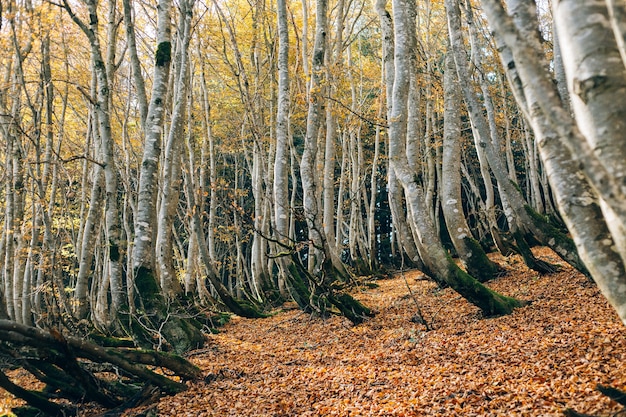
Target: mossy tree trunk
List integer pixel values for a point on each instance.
(157, 323)
(320, 295)
(556, 130)
(468, 249)
(434, 256)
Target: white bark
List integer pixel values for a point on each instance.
(576, 199)
(407, 243)
(434, 256)
(135, 63)
(172, 159)
(452, 203)
(281, 162)
(208, 180)
(102, 70)
(596, 78)
(617, 15)
(145, 218)
(308, 171)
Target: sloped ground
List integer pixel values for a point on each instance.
(536, 362)
(539, 360)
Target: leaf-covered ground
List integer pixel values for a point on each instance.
(536, 362)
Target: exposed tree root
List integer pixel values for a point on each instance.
(80, 370)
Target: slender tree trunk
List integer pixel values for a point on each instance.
(470, 251)
(138, 81)
(112, 213)
(144, 273)
(170, 284)
(516, 210)
(282, 208)
(88, 232)
(319, 249)
(407, 243)
(434, 255)
(617, 15)
(208, 181)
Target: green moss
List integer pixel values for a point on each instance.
(182, 335)
(361, 267)
(147, 288)
(250, 310)
(558, 241)
(297, 287)
(490, 302)
(163, 54)
(478, 265)
(516, 186)
(138, 332)
(529, 258)
(109, 341)
(350, 307)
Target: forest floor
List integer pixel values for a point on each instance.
(538, 361)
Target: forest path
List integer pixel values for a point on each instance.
(541, 359)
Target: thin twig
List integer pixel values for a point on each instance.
(417, 306)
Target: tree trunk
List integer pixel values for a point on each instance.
(144, 273)
(282, 208)
(407, 243)
(170, 284)
(138, 80)
(470, 251)
(515, 208)
(321, 256)
(597, 80)
(576, 199)
(434, 255)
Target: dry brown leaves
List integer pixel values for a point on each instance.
(539, 360)
(535, 362)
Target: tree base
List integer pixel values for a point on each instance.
(490, 302)
(478, 264)
(319, 296)
(530, 260)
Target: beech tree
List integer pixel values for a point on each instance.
(439, 265)
(519, 219)
(469, 250)
(578, 190)
(162, 160)
(102, 72)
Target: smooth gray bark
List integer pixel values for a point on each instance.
(282, 208)
(146, 215)
(596, 78)
(400, 222)
(577, 200)
(171, 177)
(470, 252)
(138, 80)
(440, 266)
(112, 212)
(514, 205)
(319, 249)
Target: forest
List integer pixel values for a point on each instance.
(173, 171)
